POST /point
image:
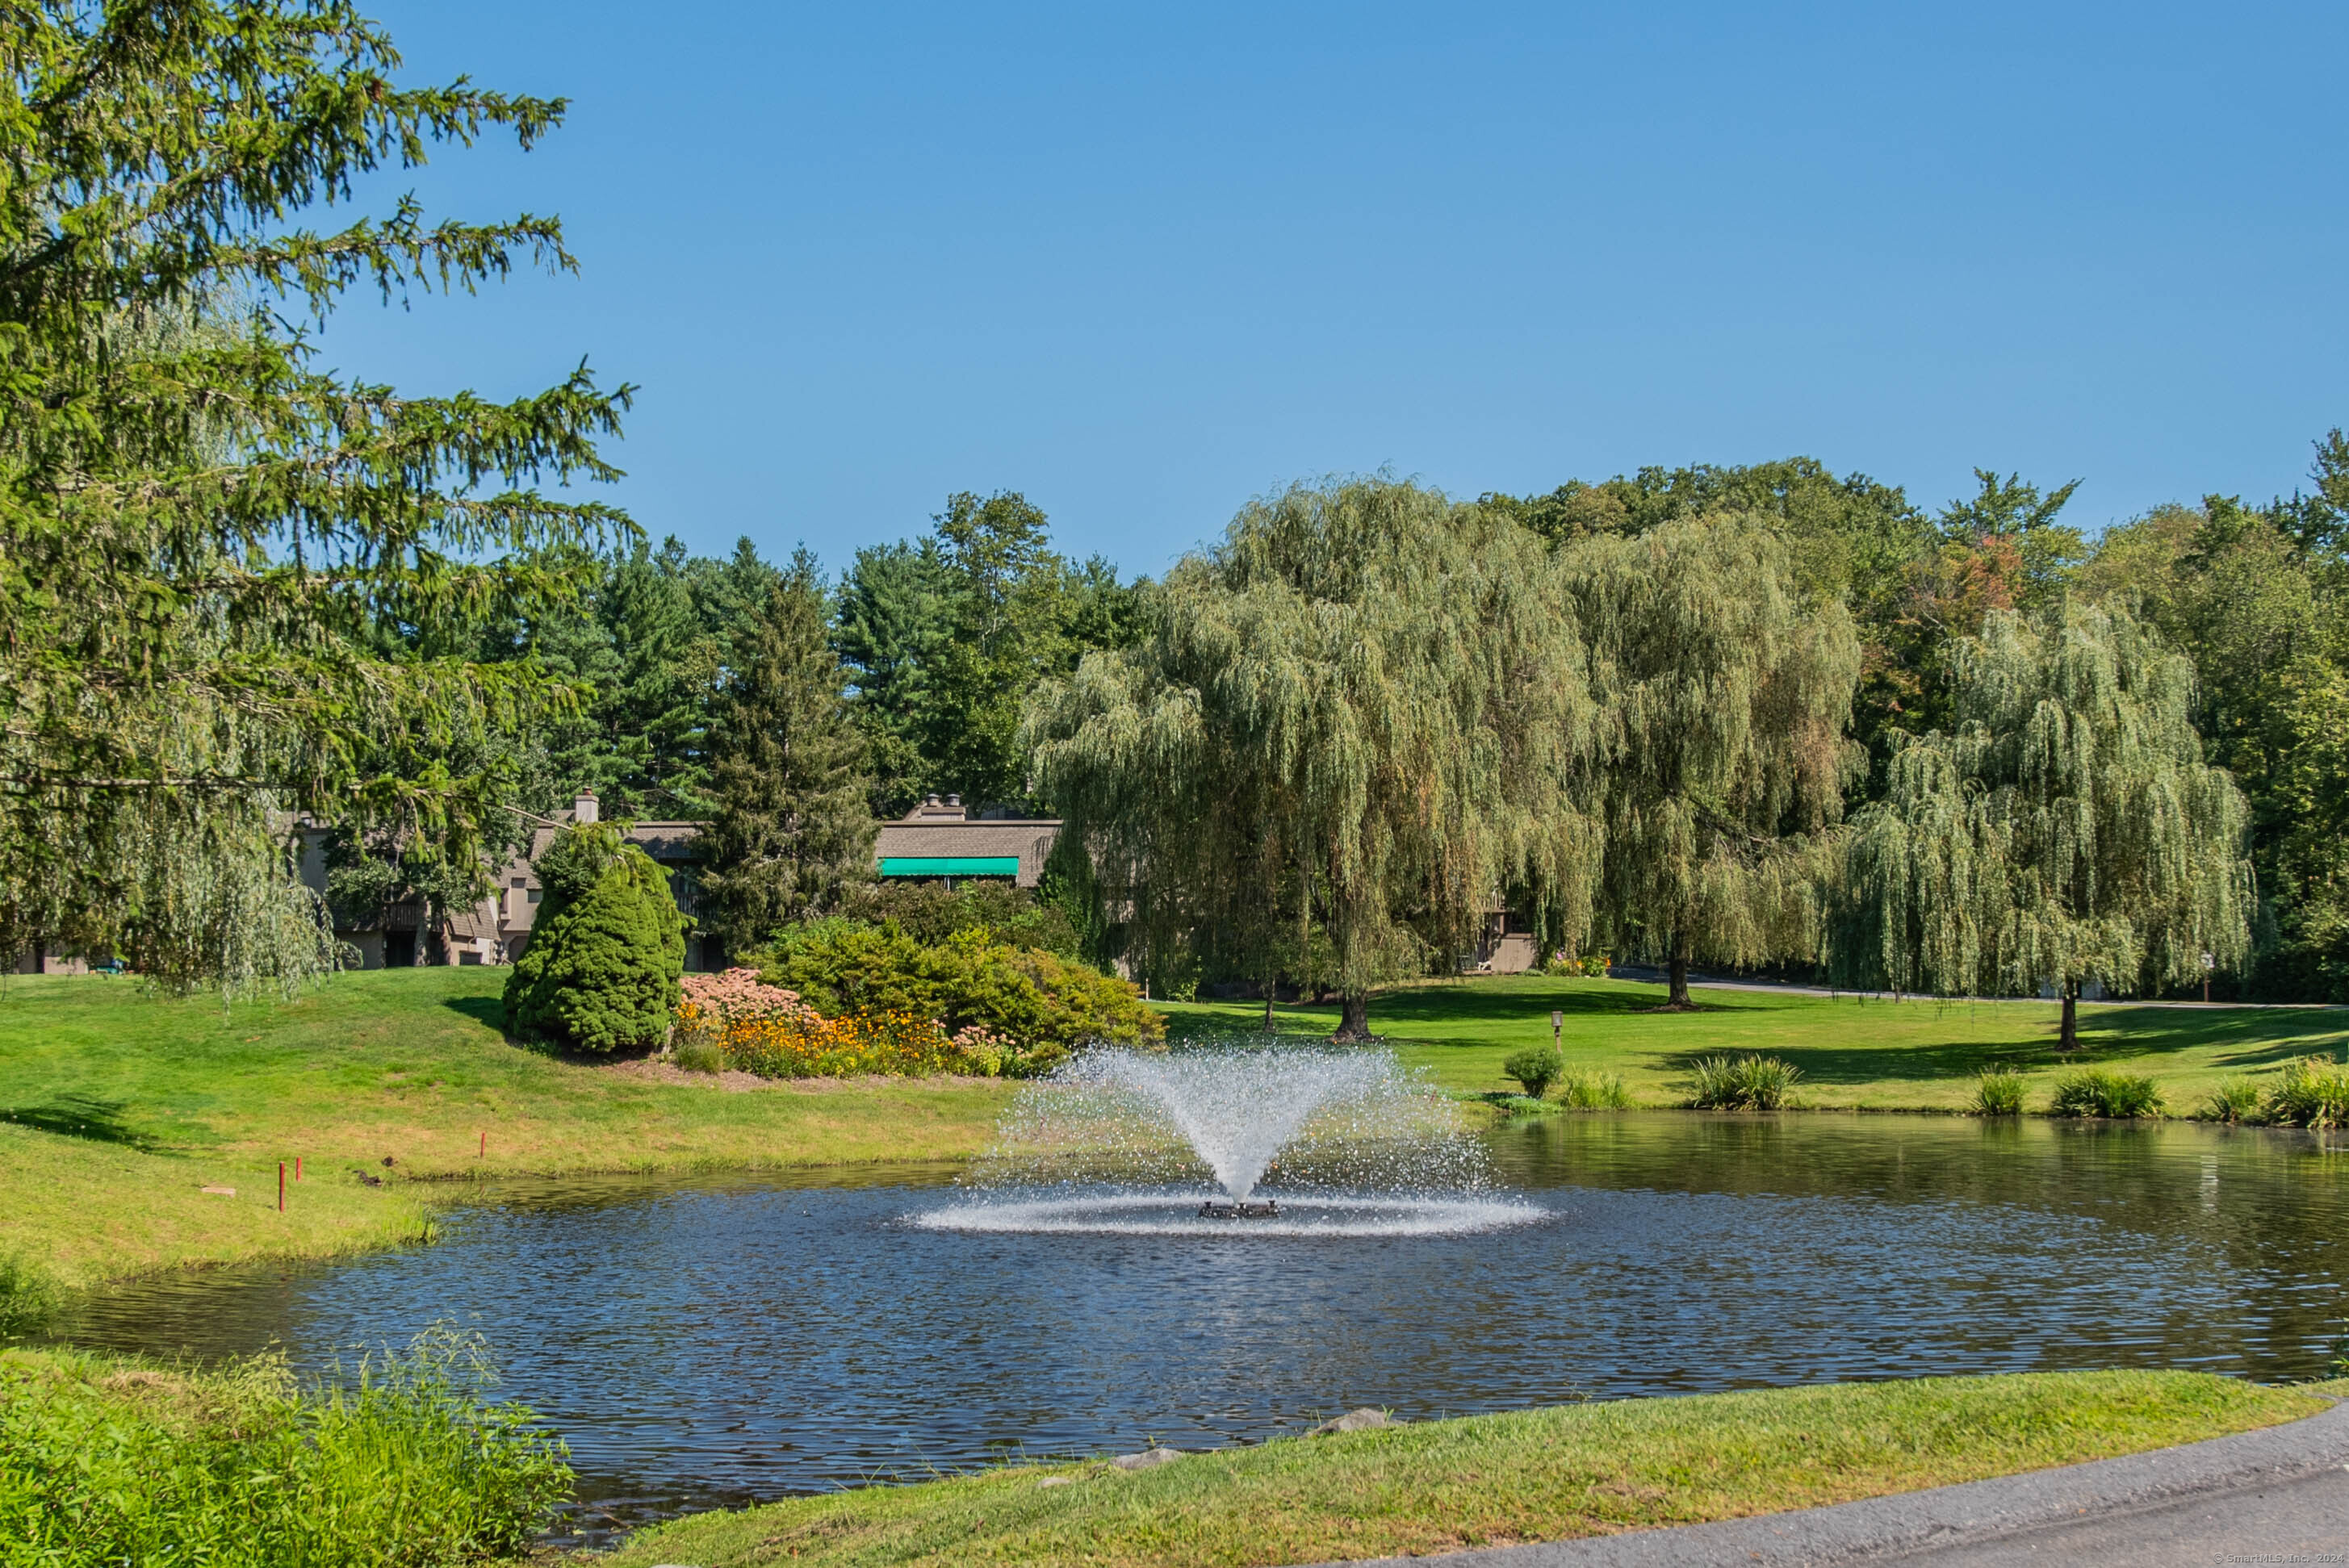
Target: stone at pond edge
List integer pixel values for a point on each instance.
(1149, 1458)
(1056, 1480)
(1362, 1421)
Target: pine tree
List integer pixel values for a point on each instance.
(792, 826)
(2065, 830)
(201, 530)
(1365, 699)
(1725, 696)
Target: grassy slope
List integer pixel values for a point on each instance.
(1875, 1056)
(1535, 1475)
(126, 1105)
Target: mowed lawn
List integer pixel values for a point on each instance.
(1491, 1480)
(117, 1107)
(1917, 1054)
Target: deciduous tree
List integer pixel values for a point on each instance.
(1724, 697)
(2064, 829)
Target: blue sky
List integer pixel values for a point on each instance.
(1142, 263)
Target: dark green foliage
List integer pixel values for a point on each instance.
(950, 636)
(209, 546)
(930, 912)
(408, 1466)
(844, 967)
(1535, 1068)
(1740, 1083)
(793, 831)
(601, 971)
(700, 1056)
(1999, 1092)
(2093, 1092)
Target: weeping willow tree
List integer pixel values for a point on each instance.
(217, 561)
(2064, 829)
(1724, 697)
(1356, 718)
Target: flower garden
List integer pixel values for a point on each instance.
(768, 1030)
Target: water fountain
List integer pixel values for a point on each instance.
(1253, 1137)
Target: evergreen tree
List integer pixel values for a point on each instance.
(602, 969)
(1365, 699)
(1724, 697)
(2066, 829)
(892, 618)
(792, 826)
(201, 530)
(651, 716)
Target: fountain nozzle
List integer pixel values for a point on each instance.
(1267, 1210)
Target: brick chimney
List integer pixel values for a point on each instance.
(583, 808)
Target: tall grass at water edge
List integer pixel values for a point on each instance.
(2311, 1092)
(407, 1464)
(1999, 1092)
(1740, 1083)
(1594, 1091)
(2094, 1091)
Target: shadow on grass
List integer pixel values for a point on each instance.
(489, 1010)
(1469, 1001)
(80, 1116)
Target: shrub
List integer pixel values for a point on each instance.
(1535, 1068)
(2311, 1092)
(103, 1461)
(701, 1055)
(842, 969)
(1594, 1091)
(2096, 1092)
(931, 912)
(1742, 1083)
(2233, 1100)
(1999, 1092)
(1589, 966)
(601, 971)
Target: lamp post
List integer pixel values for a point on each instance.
(1556, 1028)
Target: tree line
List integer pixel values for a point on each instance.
(1713, 715)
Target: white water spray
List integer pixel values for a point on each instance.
(1341, 1142)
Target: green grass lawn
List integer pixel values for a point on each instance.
(1492, 1480)
(121, 1107)
(117, 1107)
(1919, 1055)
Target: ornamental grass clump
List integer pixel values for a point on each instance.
(1535, 1068)
(2236, 1100)
(2311, 1092)
(1742, 1083)
(1999, 1092)
(1593, 1091)
(2093, 1092)
(407, 1464)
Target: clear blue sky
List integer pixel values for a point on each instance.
(1142, 263)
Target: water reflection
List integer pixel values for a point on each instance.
(712, 1341)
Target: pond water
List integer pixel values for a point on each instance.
(708, 1342)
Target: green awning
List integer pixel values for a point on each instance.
(951, 865)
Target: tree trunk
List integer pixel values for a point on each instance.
(1354, 1019)
(2068, 1035)
(1269, 986)
(1676, 970)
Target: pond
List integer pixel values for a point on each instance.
(709, 1341)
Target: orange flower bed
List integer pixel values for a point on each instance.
(782, 1036)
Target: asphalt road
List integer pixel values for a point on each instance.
(2280, 1495)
